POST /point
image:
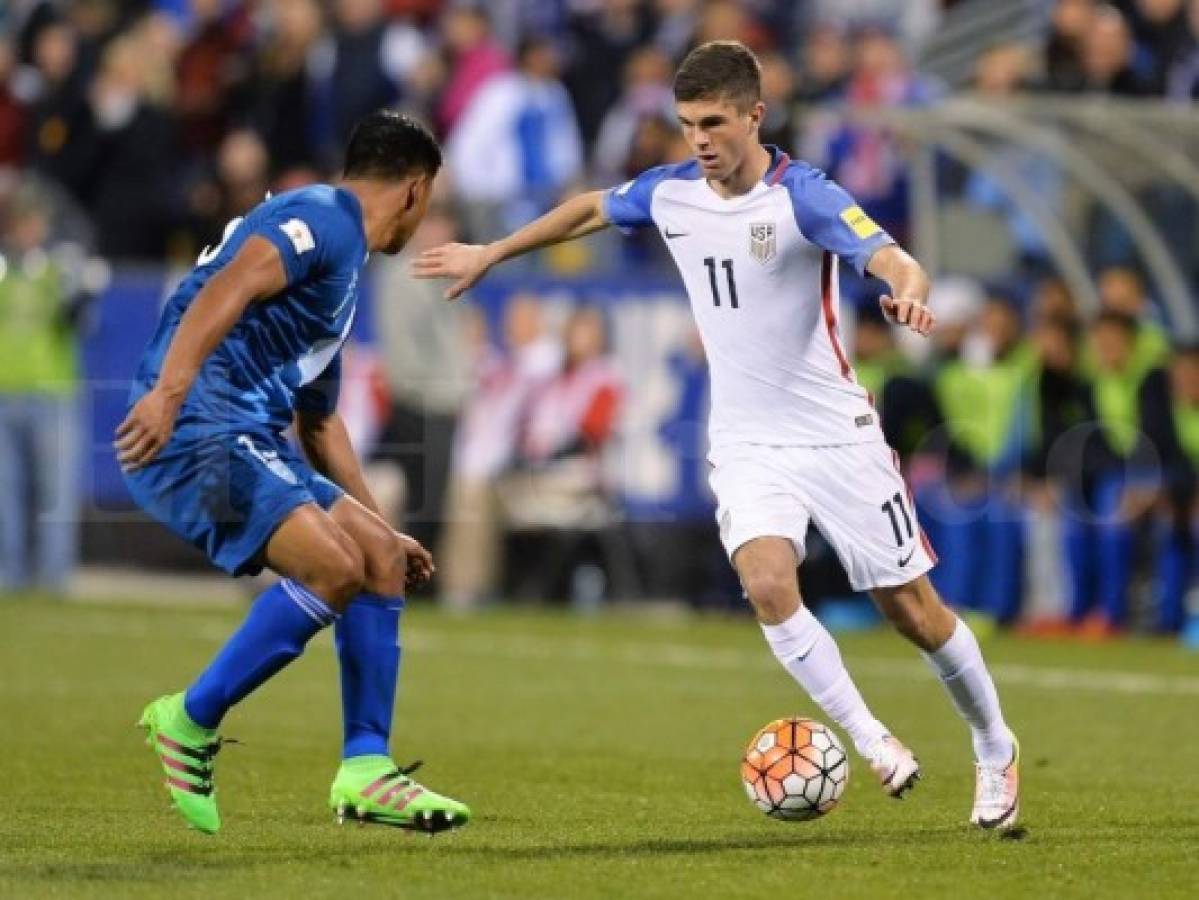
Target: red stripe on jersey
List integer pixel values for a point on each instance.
(830, 317)
(780, 170)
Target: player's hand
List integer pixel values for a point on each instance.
(465, 262)
(420, 562)
(145, 430)
(913, 313)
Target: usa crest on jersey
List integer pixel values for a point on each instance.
(762, 244)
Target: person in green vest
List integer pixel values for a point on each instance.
(39, 429)
(1101, 538)
(1122, 290)
(1059, 464)
(977, 522)
(1169, 411)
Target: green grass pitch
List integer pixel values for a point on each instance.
(600, 757)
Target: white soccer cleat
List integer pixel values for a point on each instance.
(897, 768)
(997, 793)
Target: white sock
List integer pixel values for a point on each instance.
(808, 652)
(959, 663)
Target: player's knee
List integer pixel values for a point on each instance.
(342, 575)
(774, 593)
(386, 564)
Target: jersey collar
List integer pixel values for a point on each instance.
(779, 161)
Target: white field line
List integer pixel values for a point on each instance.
(673, 655)
(684, 656)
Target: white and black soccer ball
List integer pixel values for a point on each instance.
(795, 769)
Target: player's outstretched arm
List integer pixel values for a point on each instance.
(908, 302)
(467, 263)
(255, 273)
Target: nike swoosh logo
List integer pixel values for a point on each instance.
(905, 560)
(670, 235)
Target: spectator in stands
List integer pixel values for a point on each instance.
(132, 194)
(427, 364)
(61, 129)
(1182, 79)
(601, 42)
(283, 100)
(1071, 21)
(867, 159)
(474, 59)
(40, 442)
(999, 74)
(485, 446)
(1107, 57)
(1169, 404)
(12, 110)
(647, 96)
(729, 20)
(778, 93)
(516, 147)
(373, 58)
(239, 183)
(559, 485)
(976, 525)
(913, 22)
(1159, 29)
(574, 414)
(1059, 463)
(825, 63)
(213, 63)
(1122, 291)
(1051, 298)
(1100, 545)
(676, 21)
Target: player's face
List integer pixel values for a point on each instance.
(413, 204)
(719, 134)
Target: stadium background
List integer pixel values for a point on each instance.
(1038, 156)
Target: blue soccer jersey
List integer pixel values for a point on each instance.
(282, 354)
(228, 477)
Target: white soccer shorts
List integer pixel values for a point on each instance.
(853, 493)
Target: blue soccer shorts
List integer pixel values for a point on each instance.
(226, 493)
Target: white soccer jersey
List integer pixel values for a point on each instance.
(761, 273)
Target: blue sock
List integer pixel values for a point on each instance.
(282, 620)
(368, 648)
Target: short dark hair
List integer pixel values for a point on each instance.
(390, 145)
(1127, 324)
(720, 70)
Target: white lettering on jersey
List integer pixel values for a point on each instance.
(270, 459)
(208, 254)
(299, 234)
(765, 301)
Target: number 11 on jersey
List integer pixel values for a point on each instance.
(727, 265)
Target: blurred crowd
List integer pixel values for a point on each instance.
(161, 119)
(135, 129)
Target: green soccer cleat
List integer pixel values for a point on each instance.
(186, 751)
(374, 789)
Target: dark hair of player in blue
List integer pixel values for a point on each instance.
(720, 70)
(390, 145)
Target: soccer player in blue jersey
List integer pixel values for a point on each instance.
(247, 347)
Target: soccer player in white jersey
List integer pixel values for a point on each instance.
(794, 439)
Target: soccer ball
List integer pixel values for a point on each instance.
(795, 769)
